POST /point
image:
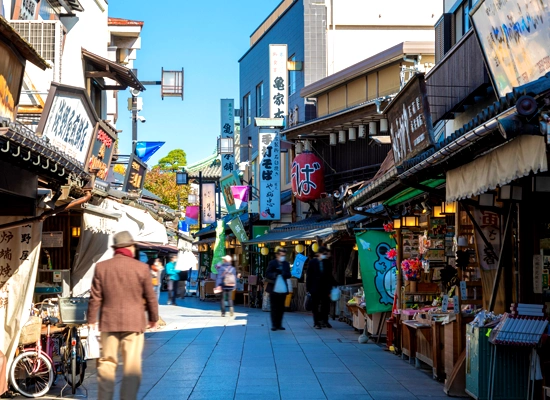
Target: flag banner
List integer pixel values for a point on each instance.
(240, 194)
(145, 150)
(225, 184)
(258, 231)
(298, 266)
(192, 215)
(377, 270)
(237, 227)
(219, 246)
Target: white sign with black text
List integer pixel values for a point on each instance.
(278, 85)
(227, 131)
(270, 175)
(208, 203)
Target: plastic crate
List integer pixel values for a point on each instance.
(74, 310)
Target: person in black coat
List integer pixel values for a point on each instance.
(277, 267)
(319, 283)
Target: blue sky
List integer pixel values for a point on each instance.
(206, 38)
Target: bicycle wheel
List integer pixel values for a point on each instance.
(75, 367)
(31, 374)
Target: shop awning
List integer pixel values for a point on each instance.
(309, 229)
(212, 227)
(411, 193)
(514, 160)
(108, 69)
(157, 247)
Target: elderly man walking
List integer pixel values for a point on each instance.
(121, 292)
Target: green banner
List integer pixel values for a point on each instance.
(225, 185)
(258, 231)
(237, 227)
(377, 271)
(219, 245)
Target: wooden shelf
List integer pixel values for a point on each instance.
(422, 293)
(473, 302)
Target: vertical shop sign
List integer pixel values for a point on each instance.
(226, 184)
(237, 227)
(489, 223)
(513, 36)
(270, 178)
(377, 270)
(135, 174)
(278, 85)
(11, 78)
(227, 132)
(410, 121)
(101, 150)
(68, 121)
(25, 10)
(208, 203)
(537, 273)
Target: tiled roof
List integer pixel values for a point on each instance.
(210, 167)
(124, 22)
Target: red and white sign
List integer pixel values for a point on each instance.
(307, 177)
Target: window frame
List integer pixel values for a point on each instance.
(259, 99)
(292, 77)
(247, 108)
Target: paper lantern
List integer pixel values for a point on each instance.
(264, 251)
(299, 248)
(397, 223)
(315, 247)
(307, 177)
(448, 208)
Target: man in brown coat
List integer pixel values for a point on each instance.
(121, 292)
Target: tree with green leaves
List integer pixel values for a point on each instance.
(175, 160)
(163, 184)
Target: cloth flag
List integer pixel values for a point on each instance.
(192, 215)
(377, 270)
(219, 246)
(145, 150)
(240, 194)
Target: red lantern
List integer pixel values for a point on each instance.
(307, 177)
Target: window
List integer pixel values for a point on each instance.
(259, 99)
(292, 78)
(461, 18)
(246, 110)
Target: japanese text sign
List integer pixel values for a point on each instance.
(278, 85)
(208, 203)
(298, 266)
(135, 174)
(68, 121)
(237, 227)
(227, 131)
(410, 121)
(270, 176)
(225, 185)
(489, 223)
(513, 35)
(101, 150)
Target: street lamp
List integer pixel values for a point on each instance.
(181, 178)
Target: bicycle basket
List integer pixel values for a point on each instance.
(74, 310)
(30, 333)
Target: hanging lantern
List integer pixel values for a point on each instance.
(295, 242)
(282, 244)
(342, 136)
(307, 177)
(362, 131)
(352, 133)
(299, 148)
(448, 208)
(315, 247)
(409, 221)
(355, 247)
(333, 139)
(299, 248)
(437, 212)
(308, 242)
(397, 223)
(264, 251)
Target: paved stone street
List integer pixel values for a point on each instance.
(200, 355)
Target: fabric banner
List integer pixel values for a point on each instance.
(219, 246)
(208, 203)
(192, 215)
(258, 231)
(298, 266)
(237, 227)
(378, 271)
(19, 258)
(145, 150)
(270, 175)
(225, 184)
(240, 194)
(489, 222)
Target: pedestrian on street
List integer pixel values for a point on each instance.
(120, 288)
(277, 269)
(173, 279)
(319, 283)
(227, 283)
(156, 273)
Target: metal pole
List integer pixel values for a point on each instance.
(134, 123)
(250, 225)
(200, 200)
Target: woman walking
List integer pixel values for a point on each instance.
(226, 282)
(173, 279)
(156, 273)
(278, 271)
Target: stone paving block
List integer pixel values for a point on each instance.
(391, 395)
